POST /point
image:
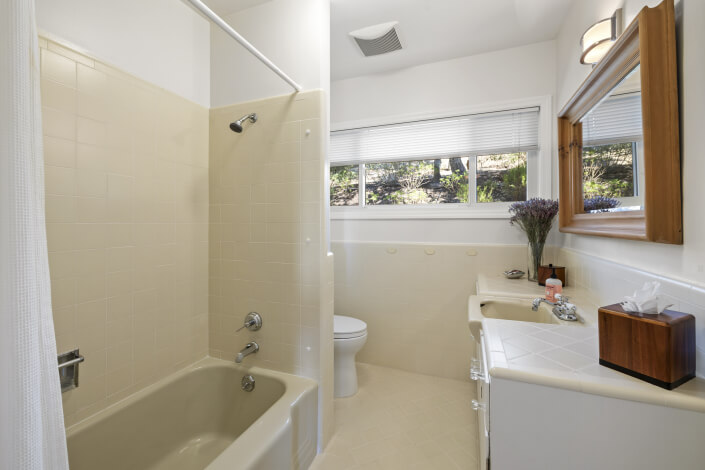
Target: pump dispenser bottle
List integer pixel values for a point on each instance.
(553, 286)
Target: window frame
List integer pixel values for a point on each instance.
(539, 184)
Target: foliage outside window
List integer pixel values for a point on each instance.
(497, 178)
(608, 170)
(501, 178)
(344, 185)
(417, 182)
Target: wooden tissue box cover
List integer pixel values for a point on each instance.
(659, 349)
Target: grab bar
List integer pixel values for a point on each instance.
(78, 360)
(68, 369)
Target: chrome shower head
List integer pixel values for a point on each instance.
(237, 125)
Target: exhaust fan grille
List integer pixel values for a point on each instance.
(388, 42)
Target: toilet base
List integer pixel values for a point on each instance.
(345, 377)
(345, 384)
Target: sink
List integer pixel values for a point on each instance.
(515, 309)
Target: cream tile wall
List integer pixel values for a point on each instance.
(414, 297)
(126, 171)
(267, 242)
(267, 231)
(610, 282)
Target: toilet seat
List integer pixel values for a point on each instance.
(348, 327)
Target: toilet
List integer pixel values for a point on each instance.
(349, 337)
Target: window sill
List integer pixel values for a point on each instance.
(497, 211)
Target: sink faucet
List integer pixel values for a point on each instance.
(561, 308)
(251, 348)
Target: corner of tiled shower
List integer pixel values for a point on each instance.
(165, 228)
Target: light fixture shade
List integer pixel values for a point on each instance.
(599, 37)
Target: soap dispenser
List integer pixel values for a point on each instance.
(553, 286)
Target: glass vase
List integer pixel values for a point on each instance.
(535, 256)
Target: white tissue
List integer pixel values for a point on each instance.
(646, 300)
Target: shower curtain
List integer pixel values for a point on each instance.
(32, 432)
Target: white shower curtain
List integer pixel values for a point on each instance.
(32, 432)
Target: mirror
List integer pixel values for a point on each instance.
(618, 139)
(613, 148)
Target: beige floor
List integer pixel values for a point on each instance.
(400, 420)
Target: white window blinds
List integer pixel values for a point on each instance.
(614, 120)
(487, 133)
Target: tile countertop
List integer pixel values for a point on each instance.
(566, 356)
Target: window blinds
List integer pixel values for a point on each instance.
(487, 133)
(616, 119)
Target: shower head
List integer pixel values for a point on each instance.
(237, 125)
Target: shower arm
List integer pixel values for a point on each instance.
(200, 6)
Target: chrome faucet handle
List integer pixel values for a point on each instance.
(246, 325)
(253, 322)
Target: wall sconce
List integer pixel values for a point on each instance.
(599, 37)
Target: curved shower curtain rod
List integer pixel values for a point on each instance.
(203, 8)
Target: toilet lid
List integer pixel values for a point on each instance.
(348, 327)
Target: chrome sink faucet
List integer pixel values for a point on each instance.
(251, 348)
(561, 308)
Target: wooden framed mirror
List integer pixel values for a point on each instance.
(618, 139)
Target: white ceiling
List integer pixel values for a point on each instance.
(226, 7)
(433, 30)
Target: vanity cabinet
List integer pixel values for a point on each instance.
(537, 427)
(544, 402)
(479, 374)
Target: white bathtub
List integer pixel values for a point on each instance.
(200, 418)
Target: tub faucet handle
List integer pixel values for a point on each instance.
(253, 322)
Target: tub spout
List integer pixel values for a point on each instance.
(251, 348)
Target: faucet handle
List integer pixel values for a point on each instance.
(253, 322)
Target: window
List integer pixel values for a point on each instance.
(501, 178)
(344, 185)
(440, 181)
(612, 156)
(469, 162)
(610, 170)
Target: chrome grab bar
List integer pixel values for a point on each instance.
(68, 369)
(78, 360)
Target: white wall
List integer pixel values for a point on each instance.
(161, 41)
(685, 262)
(446, 86)
(488, 231)
(294, 34)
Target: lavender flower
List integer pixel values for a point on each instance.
(535, 218)
(599, 203)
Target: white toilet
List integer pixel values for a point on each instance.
(349, 337)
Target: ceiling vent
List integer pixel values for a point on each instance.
(377, 39)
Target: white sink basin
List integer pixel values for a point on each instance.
(515, 309)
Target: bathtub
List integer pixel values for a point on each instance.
(200, 418)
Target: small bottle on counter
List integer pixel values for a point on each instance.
(553, 286)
